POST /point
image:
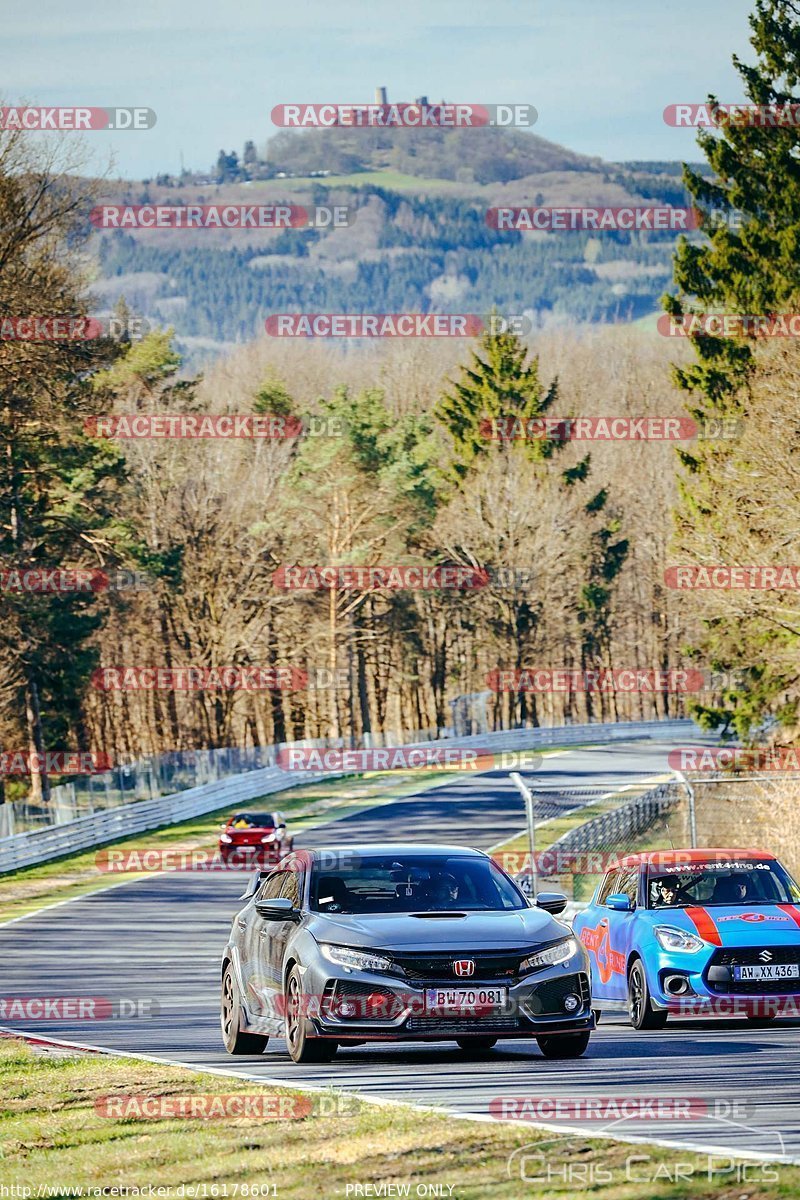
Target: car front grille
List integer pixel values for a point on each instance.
(476, 1025)
(489, 967)
(748, 956)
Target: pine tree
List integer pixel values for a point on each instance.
(750, 261)
(501, 383)
(749, 264)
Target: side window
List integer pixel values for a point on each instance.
(292, 887)
(628, 883)
(271, 887)
(608, 886)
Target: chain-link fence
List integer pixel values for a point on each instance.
(731, 811)
(575, 861)
(750, 812)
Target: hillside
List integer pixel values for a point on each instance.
(419, 241)
(482, 156)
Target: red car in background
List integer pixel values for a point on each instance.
(255, 838)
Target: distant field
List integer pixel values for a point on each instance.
(391, 180)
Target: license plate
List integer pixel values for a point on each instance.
(476, 1001)
(771, 971)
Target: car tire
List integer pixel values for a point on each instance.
(303, 1047)
(476, 1045)
(596, 1014)
(640, 1010)
(563, 1045)
(236, 1041)
(760, 1022)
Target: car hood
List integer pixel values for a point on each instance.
(736, 924)
(470, 931)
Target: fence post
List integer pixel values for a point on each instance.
(692, 808)
(527, 794)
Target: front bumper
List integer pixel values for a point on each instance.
(707, 986)
(367, 1006)
(245, 856)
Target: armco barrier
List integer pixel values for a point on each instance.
(54, 841)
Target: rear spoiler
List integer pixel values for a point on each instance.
(254, 883)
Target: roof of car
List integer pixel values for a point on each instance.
(405, 848)
(682, 858)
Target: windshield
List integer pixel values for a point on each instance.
(749, 882)
(253, 821)
(414, 883)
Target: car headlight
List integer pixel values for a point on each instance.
(671, 938)
(270, 837)
(361, 960)
(225, 838)
(550, 957)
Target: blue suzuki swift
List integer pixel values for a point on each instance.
(694, 933)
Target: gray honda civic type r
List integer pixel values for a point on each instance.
(387, 942)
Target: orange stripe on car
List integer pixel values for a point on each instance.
(704, 924)
(791, 911)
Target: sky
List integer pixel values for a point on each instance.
(599, 72)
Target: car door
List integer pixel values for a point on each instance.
(603, 932)
(272, 935)
(258, 985)
(622, 933)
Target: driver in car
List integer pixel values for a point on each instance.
(667, 892)
(442, 890)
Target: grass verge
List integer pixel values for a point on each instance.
(53, 1136)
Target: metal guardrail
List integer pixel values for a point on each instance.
(99, 828)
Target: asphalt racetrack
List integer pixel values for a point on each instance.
(159, 939)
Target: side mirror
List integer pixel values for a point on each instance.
(280, 908)
(619, 902)
(552, 902)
